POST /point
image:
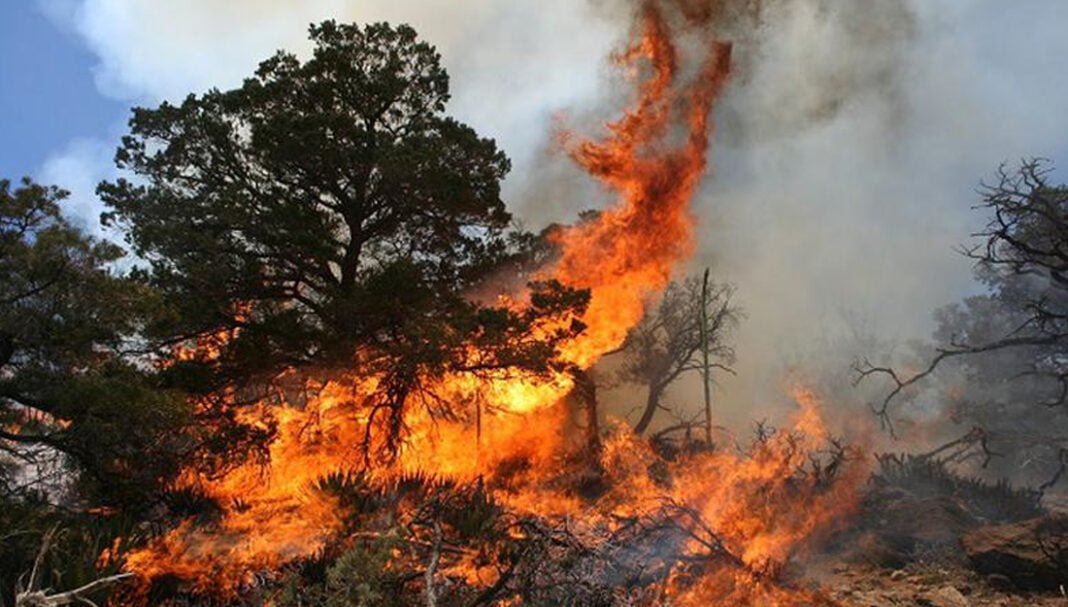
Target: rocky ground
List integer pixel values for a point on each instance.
(919, 586)
(927, 537)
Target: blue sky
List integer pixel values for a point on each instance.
(48, 96)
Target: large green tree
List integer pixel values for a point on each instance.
(90, 434)
(328, 213)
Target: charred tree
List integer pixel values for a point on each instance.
(584, 394)
(706, 354)
(1009, 345)
(687, 332)
(1023, 260)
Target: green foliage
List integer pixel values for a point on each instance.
(465, 508)
(405, 517)
(67, 382)
(356, 494)
(332, 213)
(331, 199)
(361, 577)
(358, 577)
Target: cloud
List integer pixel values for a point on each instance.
(78, 167)
(512, 64)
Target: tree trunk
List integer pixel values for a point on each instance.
(706, 366)
(652, 403)
(432, 567)
(585, 393)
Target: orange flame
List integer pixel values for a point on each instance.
(653, 159)
(629, 252)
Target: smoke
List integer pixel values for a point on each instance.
(849, 143)
(512, 65)
(827, 217)
(850, 146)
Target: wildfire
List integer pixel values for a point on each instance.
(756, 506)
(629, 252)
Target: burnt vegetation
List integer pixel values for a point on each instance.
(316, 235)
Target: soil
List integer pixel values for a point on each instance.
(927, 586)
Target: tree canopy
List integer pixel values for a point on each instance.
(326, 196)
(325, 214)
(328, 213)
(67, 383)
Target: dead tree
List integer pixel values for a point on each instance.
(707, 326)
(687, 332)
(1023, 261)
